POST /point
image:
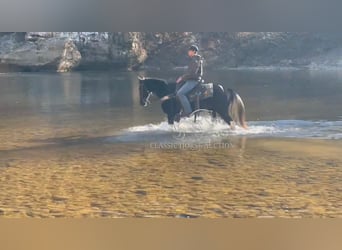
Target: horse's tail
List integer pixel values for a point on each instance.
(236, 108)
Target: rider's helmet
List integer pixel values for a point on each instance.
(193, 48)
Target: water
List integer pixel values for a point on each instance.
(293, 103)
(79, 144)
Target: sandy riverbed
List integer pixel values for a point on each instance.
(253, 178)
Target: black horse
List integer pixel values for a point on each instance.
(227, 103)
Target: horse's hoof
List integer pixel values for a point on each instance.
(177, 118)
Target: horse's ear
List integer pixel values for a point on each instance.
(141, 78)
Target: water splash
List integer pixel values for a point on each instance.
(205, 128)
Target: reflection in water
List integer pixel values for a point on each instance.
(53, 90)
(79, 145)
(268, 95)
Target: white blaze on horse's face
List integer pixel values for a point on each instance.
(143, 92)
(147, 100)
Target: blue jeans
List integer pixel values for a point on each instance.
(181, 94)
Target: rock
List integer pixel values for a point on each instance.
(67, 51)
(197, 178)
(33, 56)
(71, 57)
(187, 216)
(263, 193)
(141, 192)
(139, 53)
(34, 36)
(59, 199)
(265, 217)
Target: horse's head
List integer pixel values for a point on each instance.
(144, 92)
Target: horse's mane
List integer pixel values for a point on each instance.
(162, 86)
(156, 79)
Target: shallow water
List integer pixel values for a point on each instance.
(79, 145)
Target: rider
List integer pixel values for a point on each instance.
(191, 78)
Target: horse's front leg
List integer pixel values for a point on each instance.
(213, 115)
(170, 119)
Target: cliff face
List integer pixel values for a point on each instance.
(67, 51)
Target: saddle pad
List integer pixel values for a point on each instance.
(204, 91)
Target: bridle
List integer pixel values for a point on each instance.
(143, 88)
(147, 100)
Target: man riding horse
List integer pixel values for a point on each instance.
(189, 80)
(210, 96)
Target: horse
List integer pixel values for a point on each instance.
(227, 103)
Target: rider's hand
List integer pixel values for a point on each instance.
(179, 80)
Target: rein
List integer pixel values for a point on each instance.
(165, 98)
(150, 93)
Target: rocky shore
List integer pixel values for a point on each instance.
(72, 51)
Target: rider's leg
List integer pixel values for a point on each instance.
(181, 94)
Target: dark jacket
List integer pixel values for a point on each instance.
(195, 69)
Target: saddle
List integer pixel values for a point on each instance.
(200, 92)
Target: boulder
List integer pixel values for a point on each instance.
(71, 57)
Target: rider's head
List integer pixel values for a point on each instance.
(192, 50)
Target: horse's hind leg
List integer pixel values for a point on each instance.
(227, 119)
